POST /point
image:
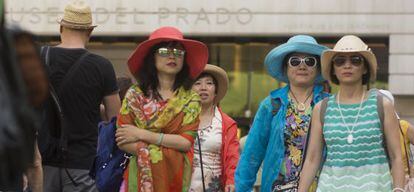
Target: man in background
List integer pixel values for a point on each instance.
(82, 80)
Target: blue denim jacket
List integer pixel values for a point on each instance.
(265, 142)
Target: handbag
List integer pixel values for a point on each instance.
(289, 186)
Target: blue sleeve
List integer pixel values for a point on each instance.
(255, 148)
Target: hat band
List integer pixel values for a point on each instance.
(73, 23)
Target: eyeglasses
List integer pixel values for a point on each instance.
(166, 52)
(355, 60)
(295, 61)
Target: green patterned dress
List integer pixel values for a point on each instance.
(361, 165)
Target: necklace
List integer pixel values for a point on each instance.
(350, 137)
(301, 107)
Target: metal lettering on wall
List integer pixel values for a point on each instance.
(127, 16)
(207, 19)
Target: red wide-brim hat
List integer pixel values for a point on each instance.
(196, 52)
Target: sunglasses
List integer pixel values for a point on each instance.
(295, 61)
(166, 52)
(355, 60)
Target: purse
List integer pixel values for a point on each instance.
(289, 186)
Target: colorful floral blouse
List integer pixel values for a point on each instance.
(297, 125)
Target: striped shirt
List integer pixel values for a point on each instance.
(361, 165)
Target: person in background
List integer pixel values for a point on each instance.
(91, 83)
(159, 116)
(351, 129)
(36, 86)
(406, 138)
(217, 135)
(279, 131)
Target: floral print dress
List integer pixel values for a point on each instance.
(211, 142)
(296, 128)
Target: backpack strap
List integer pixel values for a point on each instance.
(72, 70)
(275, 105)
(380, 109)
(322, 111)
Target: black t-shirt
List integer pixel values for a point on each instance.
(80, 99)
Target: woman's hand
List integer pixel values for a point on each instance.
(229, 188)
(128, 134)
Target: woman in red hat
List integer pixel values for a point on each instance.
(159, 116)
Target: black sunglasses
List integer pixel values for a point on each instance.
(355, 60)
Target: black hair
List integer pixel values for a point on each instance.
(147, 76)
(286, 59)
(123, 84)
(365, 77)
(215, 82)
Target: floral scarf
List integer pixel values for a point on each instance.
(157, 168)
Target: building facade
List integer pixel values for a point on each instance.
(239, 33)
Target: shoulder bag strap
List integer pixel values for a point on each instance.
(201, 163)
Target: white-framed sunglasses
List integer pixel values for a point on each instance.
(295, 61)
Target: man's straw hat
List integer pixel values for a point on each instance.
(77, 15)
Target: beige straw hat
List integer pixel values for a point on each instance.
(222, 80)
(77, 15)
(349, 44)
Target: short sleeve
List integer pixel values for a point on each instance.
(109, 78)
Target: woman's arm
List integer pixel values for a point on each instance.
(129, 134)
(392, 139)
(255, 148)
(314, 151)
(35, 172)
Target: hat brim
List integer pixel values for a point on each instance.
(222, 80)
(274, 60)
(327, 56)
(196, 54)
(74, 25)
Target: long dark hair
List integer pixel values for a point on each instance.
(147, 76)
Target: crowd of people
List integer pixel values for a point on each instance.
(177, 137)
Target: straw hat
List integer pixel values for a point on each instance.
(77, 15)
(299, 44)
(222, 80)
(196, 52)
(349, 44)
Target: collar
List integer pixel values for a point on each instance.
(282, 94)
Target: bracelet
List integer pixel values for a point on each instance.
(398, 189)
(160, 139)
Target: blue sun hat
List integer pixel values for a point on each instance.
(299, 44)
